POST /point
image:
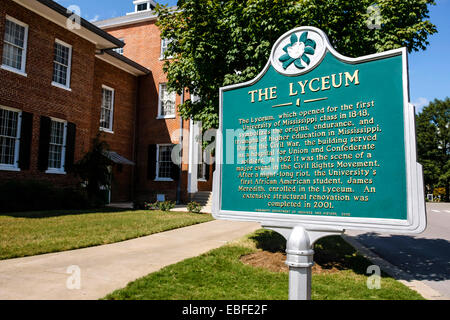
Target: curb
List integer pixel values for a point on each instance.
(395, 272)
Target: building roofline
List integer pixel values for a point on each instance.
(104, 41)
(59, 15)
(133, 18)
(84, 23)
(130, 18)
(141, 69)
(121, 62)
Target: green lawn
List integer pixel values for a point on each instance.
(27, 234)
(220, 275)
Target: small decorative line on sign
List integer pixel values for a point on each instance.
(283, 105)
(314, 100)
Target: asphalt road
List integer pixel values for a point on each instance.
(426, 257)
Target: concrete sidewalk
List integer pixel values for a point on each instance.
(104, 269)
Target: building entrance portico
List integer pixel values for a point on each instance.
(200, 166)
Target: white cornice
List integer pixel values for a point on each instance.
(130, 18)
(120, 64)
(133, 18)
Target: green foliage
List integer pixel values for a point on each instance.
(31, 195)
(149, 206)
(145, 205)
(165, 206)
(194, 207)
(433, 144)
(153, 205)
(94, 171)
(218, 43)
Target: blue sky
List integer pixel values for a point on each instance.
(429, 70)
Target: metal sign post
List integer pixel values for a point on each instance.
(300, 257)
(319, 143)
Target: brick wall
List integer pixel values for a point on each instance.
(121, 140)
(143, 45)
(35, 94)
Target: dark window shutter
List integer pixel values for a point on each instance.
(26, 134)
(70, 146)
(151, 162)
(175, 172)
(208, 167)
(44, 143)
(175, 169)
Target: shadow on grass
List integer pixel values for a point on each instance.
(59, 213)
(269, 241)
(330, 252)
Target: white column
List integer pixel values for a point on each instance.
(194, 145)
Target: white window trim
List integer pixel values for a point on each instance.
(160, 117)
(15, 166)
(157, 163)
(106, 130)
(61, 170)
(161, 53)
(111, 122)
(8, 68)
(120, 50)
(138, 2)
(58, 85)
(69, 67)
(24, 55)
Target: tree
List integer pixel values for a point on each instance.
(433, 144)
(217, 43)
(94, 170)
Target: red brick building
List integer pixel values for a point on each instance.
(61, 84)
(52, 80)
(159, 123)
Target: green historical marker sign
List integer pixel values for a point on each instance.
(320, 140)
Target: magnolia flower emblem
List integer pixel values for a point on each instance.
(298, 50)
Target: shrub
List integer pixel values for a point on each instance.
(32, 195)
(94, 170)
(151, 205)
(194, 207)
(166, 205)
(76, 198)
(138, 205)
(148, 206)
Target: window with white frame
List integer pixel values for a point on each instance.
(164, 47)
(164, 162)
(107, 109)
(119, 50)
(166, 102)
(142, 7)
(56, 155)
(15, 45)
(62, 64)
(10, 122)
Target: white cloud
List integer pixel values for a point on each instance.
(94, 19)
(420, 103)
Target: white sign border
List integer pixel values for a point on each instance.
(416, 212)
